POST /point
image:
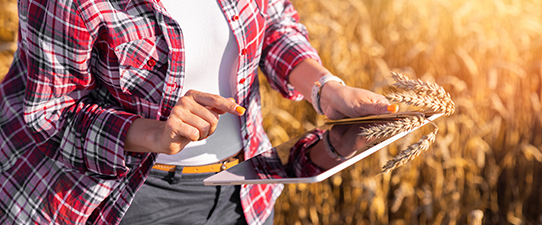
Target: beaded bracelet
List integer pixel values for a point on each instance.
(317, 91)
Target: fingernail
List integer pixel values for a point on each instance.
(393, 108)
(232, 99)
(240, 109)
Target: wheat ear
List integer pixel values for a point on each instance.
(423, 88)
(445, 105)
(422, 94)
(411, 152)
(392, 128)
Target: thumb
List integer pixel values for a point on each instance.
(377, 108)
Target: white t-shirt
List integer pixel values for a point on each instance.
(211, 54)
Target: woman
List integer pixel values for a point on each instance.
(98, 89)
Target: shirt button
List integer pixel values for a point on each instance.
(235, 18)
(151, 62)
(244, 51)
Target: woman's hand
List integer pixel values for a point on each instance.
(336, 100)
(340, 101)
(345, 141)
(193, 118)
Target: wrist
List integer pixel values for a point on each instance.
(330, 150)
(331, 92)
(144, 136)
(318, 90)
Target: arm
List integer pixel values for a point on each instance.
(285, 46)
(292, 66)
(337, 101)
(75, 120)
(193, 118)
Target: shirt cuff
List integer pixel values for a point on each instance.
(105, 144)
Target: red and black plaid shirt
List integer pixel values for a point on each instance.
(86, 69)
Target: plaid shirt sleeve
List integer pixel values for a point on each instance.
(285, 45)
(65, 110)
(67, 121)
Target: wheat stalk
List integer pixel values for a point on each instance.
(411, 152)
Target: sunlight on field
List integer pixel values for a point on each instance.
(486, 163)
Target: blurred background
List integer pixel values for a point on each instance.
(485, 166)
(8, 34)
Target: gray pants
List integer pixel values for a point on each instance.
(175, 198)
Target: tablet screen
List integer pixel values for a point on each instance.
(315, 155)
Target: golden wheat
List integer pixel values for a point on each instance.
(403, 82)
(393, 128)
(486, 54)
(422, 101)
(411, 152)
(420, 94)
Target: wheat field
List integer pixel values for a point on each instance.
(485, 165)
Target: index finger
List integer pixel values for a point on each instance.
(216, 102)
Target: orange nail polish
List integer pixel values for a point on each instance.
(240, 109)
(393, 108)
(232, 99)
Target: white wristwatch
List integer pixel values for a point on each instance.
(317, 91)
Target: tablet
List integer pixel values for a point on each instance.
(315, 155)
